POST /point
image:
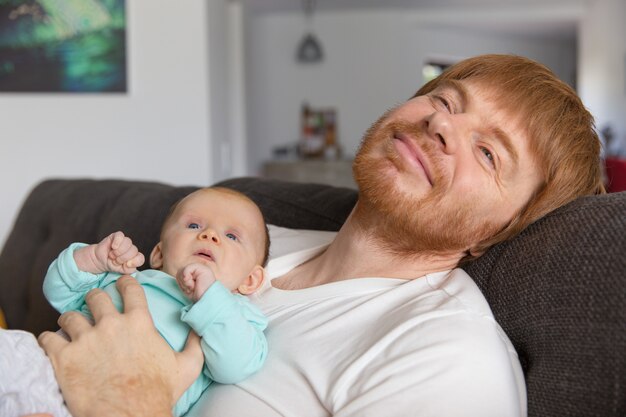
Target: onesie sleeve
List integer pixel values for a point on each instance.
(231, 329)
(65, 286)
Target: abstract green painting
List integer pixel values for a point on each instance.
(63, 46)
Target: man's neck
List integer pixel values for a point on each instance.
(356, 252)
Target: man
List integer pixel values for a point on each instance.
(379, 322)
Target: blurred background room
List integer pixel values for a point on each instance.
(203, 90)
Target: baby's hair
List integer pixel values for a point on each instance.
(266, 242)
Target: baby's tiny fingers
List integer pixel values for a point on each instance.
(135, 261)
(116, 239)
(128, 254)
(183, 286)
(125, 245)
(186, 282)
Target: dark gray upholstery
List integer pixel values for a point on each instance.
(558, 290)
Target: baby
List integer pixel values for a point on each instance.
(211, 253)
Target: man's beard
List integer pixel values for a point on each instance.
(403, 220)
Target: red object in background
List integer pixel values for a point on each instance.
(615, 174)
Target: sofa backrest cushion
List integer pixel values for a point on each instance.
(558, 289)
(559, 292)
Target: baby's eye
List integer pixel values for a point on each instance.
(193, 226)
(231, 236)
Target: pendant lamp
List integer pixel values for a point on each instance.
(309, 49)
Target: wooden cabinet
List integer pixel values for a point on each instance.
(337, 173)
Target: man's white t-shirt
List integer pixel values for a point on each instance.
(374, 347)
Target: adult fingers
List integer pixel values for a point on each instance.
(100, 304)
(132, 294)
(190, 361)
(74, 323)
(51, 342)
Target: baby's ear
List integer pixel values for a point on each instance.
(156, 256)
(253, 281)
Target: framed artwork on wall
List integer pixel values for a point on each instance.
(71, 46)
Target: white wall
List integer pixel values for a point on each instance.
(602, 64)
(227, 89)
(158, 131)
(373, 60)
(171, 125)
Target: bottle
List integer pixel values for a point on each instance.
(331, 150)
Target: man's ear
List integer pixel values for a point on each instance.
(253, 281)
(476, 252)
(156, 256)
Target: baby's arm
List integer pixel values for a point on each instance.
(115, 253)
(79, 269)
(231, 328)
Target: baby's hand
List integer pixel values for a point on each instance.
(115, 253)
(194, 280)
(119, 254)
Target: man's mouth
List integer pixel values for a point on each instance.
(411, 153)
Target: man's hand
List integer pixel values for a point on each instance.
(194, 280)
(121, 366)
(115, 253)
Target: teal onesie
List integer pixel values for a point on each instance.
(231, 328)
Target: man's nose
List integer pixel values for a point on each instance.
(209, 234)
(441, 128)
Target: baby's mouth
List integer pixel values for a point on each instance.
(205, 254)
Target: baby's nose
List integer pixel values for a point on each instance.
(209, 235)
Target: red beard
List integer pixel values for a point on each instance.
(398, 209)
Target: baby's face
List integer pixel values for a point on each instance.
(221, 230)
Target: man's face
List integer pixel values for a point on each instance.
(215, 228)
(445, 171)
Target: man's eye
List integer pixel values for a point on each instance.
(193, 226)
(445, 103)
(488, 155)
(231, 236)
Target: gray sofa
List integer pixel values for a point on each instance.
(558, 289)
